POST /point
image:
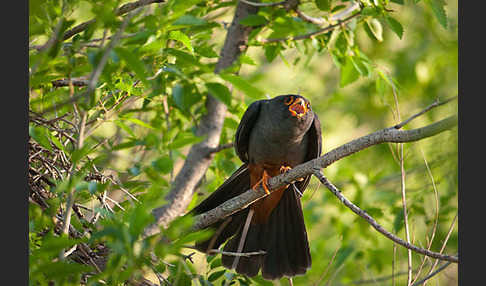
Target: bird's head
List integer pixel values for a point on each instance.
(298, 106)
(292, 108)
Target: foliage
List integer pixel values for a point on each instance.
(118, 147)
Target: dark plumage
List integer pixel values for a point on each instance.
(273, 134)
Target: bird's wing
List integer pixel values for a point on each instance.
(243, 131)
(314, 148)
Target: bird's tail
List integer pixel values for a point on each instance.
(238, 183)
(282, 236)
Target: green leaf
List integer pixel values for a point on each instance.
(128, 144)
(163, 164)
(271, 51)
(139, 122)
(343, 254)
(324, 5)
(437, 7)
(243, 85)
(245, 59)
(124, 127)
(41, 135)
(398, 221)
(349, 73)
(360, 66)
(183, 38)
(395, 26)
(78, 154)
(369, 11)
(133, 62)
(219, 91)
(189, 20)
(56, 142)
(401, 2)
(206, 51)
(376, 28)
(216, 275)
(184, 97)
(253, 20)
(184, 138)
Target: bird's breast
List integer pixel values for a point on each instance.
(268, 149)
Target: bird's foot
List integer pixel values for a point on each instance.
(284, 169)
(264, 182)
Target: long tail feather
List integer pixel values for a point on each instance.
(238, 183)
(283, 237)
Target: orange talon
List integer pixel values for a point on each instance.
(284, 169)
(264, 182)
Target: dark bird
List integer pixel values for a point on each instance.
(274, 135)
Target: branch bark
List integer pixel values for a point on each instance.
(199, 159)
(390, 135)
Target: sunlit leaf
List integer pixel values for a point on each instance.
(183, 38)
(243, 85)
(219, 91)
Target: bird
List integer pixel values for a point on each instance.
(273, 136)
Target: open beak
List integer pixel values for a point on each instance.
(298, 108)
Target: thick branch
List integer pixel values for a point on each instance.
(385, 135)
(199, 159)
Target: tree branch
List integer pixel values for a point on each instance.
(120, 11)
(340, 22)
(377, 226)
(385, 135)
(389, 134)
(200, 157)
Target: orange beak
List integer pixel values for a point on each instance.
(298, 108)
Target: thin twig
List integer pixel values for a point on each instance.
(312, 34)
(436, 221)
(310, 19)
(93, 79)
(268, 4)
(444, 266)
(240, 254)
(243, 238)
(436, 103)
(377, 226)
(74, 81)
(318, 282)
(120, 11)
(405, 214)
(70, 200)
(444, 244)
(404, 197)
(220, 148)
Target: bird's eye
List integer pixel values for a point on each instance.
(308, 106)
(289, 100)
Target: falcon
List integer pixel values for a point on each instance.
(273, 136)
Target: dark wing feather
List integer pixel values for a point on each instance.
(314, 148)
(243, 131)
